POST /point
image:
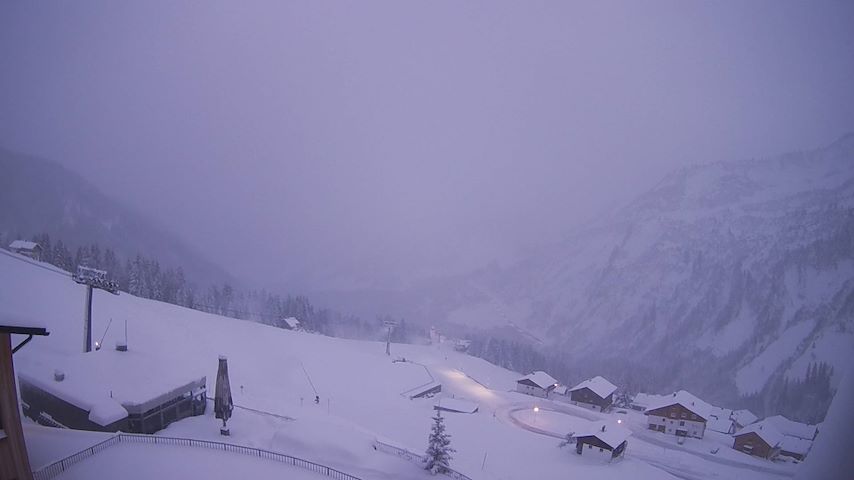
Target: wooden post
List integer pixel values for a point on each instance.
(14, 462)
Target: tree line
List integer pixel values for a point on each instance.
(146, 277)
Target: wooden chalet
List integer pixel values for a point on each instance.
(596, 393)
(681, 414)
(538, 384)
(759, 439)
(603, 437)
(27, 249)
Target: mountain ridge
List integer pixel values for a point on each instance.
(66, 206)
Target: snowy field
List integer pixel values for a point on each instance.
(280, 372)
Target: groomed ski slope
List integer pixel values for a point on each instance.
(358, 385)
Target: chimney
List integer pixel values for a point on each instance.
(58, 375)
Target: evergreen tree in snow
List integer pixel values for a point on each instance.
(439, 447)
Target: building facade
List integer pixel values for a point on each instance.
(676, 419)
(538, 384)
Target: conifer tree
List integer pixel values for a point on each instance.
(439, 447)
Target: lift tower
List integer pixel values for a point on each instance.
(93, 279)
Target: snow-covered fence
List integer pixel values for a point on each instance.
(60, 466)
(56, 468)
(416, 458)
(260, 412)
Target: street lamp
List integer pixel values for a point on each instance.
(536, 412)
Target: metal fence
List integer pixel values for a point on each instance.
(416, 458)
(56, 468)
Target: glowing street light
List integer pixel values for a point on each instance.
(536, 409)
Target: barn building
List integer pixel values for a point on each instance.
(759, 439)
(602, 438)
(538, 384)
(14, 461)
(596, 393)
(27, 249)
(681, 414)
(111, 390)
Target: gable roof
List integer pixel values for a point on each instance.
(766, 431)
(722, 425)
(540, 379)
(561, 389)
(292, 322)
(597, 385)
(23, 245)
(792, 428)
(687, 400)
(613, 435)
(646, 399)
(744, 417)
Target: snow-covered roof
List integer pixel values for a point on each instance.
(597, 385)
(792, 428)
(795, 445)
(456, 405)
(133, 379)
(106, 411)
(687, 400)
(722, 425)
(744, 417)
(292, 322)
(720, 413)
(540, 379)
(613, 435)
(646, 399)
(766, 431)
(23, 245)
(561, 389)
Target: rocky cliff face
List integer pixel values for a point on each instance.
(724, 278)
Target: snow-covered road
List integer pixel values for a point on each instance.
(644, 448)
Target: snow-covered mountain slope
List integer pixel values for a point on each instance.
(277, 371)
(722, 278)
(40, 196)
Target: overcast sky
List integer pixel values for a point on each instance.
(319, 144)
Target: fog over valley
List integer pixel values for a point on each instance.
(553, 222)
